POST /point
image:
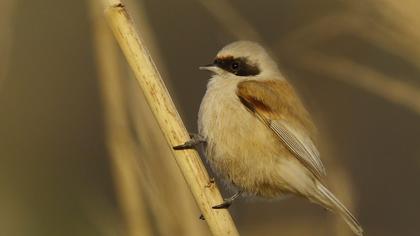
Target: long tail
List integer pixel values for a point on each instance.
(327, 198)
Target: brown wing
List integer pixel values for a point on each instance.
(278, 106)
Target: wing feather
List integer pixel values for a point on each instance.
(275, 103)
(300, 144)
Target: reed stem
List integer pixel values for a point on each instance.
(205, 193)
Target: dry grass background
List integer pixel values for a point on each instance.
(356, 64)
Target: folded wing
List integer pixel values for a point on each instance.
(275, 103)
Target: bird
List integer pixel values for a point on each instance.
(258, 135)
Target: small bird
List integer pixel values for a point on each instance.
(258, 135)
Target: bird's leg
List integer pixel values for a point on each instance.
(227, 202)
(194, 141)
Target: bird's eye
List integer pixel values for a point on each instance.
(235, 65)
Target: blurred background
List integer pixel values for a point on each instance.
(80, 153)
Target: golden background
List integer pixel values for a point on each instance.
(355, 63)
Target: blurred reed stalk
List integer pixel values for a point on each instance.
(393, 26)
(363, 77)
(234, 24)
(319, 30)
(119, 138)
(358, 23)
(205, 193)
(391, 89)
(231, 20)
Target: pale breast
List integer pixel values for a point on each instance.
(239, 146)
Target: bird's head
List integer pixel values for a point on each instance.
(243, 58)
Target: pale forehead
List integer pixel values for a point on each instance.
(241, 49)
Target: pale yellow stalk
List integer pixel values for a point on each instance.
(166, 191)
(159, 100)
(169, 194)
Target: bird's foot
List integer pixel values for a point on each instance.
(228, 202)
(192, 143)
(225, 205)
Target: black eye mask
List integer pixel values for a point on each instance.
(238, 66)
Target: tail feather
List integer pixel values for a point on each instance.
(332, 202)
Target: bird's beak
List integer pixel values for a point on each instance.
(211, 67)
